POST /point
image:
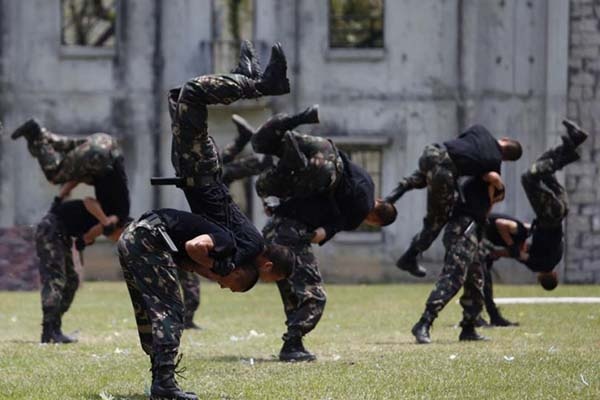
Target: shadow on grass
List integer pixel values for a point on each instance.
(20, 341)
(238, 359)
(116, 396)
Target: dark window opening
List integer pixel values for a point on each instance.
(88, 23)
(356, 23)
(370, 158)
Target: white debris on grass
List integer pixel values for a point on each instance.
(453, 356)
(251, 334)
(336, 357)
(121, 351)
(547, 300)
(13, 318)
(106, 396)
(583, 380)
(509, 358)
(552, 350)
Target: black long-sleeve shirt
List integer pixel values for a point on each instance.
(475, 152)
(183, 226)
(112, 192)
(75, 218)
(214, 203)
(343, 210)
(546, 248)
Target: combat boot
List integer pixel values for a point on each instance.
(409, 263)
(248, 64)
(469, 333)
(481, 322)
(164, 386)
(293, 350)
(31, 130)
(496, 319)
(245, 130)
(576, 134)
(190, 324)
(421, 329)
(291, 156)
(51, 333)
(309, 116)
(274, 80)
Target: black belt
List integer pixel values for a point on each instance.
(155, 222)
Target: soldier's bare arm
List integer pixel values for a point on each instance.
(496, 188)
(66, 189)
(93, 207)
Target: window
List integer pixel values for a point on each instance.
(370, 158)
(88, 23)
(356, 23)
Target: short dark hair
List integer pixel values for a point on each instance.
(511, 150)
(252, 273)
(283, 259)
(548, 280)
(385, 212)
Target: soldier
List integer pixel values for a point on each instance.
(198, 168)
(307, 164)
(64, 159)
(77, 220)
(548, 200)
(234, 168)
(462, 268)
(316, 217)
(474, 153)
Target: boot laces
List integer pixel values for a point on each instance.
(179, 371)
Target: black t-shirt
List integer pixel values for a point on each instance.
(492, 234)
(474, 199)
(75, 217)
(345, 210)
(546, 248)
(112, 192)
(183, 226)
(475, 152)
(214, 203)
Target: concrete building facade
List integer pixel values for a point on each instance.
(434, 68)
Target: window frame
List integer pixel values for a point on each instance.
(371, 142)
(91, 52)
(362, 52)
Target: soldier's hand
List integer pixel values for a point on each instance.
(223, 267)
(319, 235)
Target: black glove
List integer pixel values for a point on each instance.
(109, 229)
(55, 203)
(79, 243)
(223, 267)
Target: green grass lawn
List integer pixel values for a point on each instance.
(363, 342)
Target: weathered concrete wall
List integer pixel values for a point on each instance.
(445, 65)
(73, 93)
(583, 178)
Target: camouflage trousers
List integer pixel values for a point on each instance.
(546, 195)
(151, 277)
(245, 167)
(302, 293)
(58, 277)
(64, 159)
(193, 153)
(438, 173)
(190, 289)
(308, 165)
(462, 268)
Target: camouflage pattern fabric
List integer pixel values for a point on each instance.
(321, 172)
(438, 171)
(151, 277)
(245, 167)
(546, 195)
(462, 268)
(57, 272)
(302, 293)
(194, 153)
(64, 159)
(190, 289)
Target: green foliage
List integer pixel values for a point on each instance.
(363, 342)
